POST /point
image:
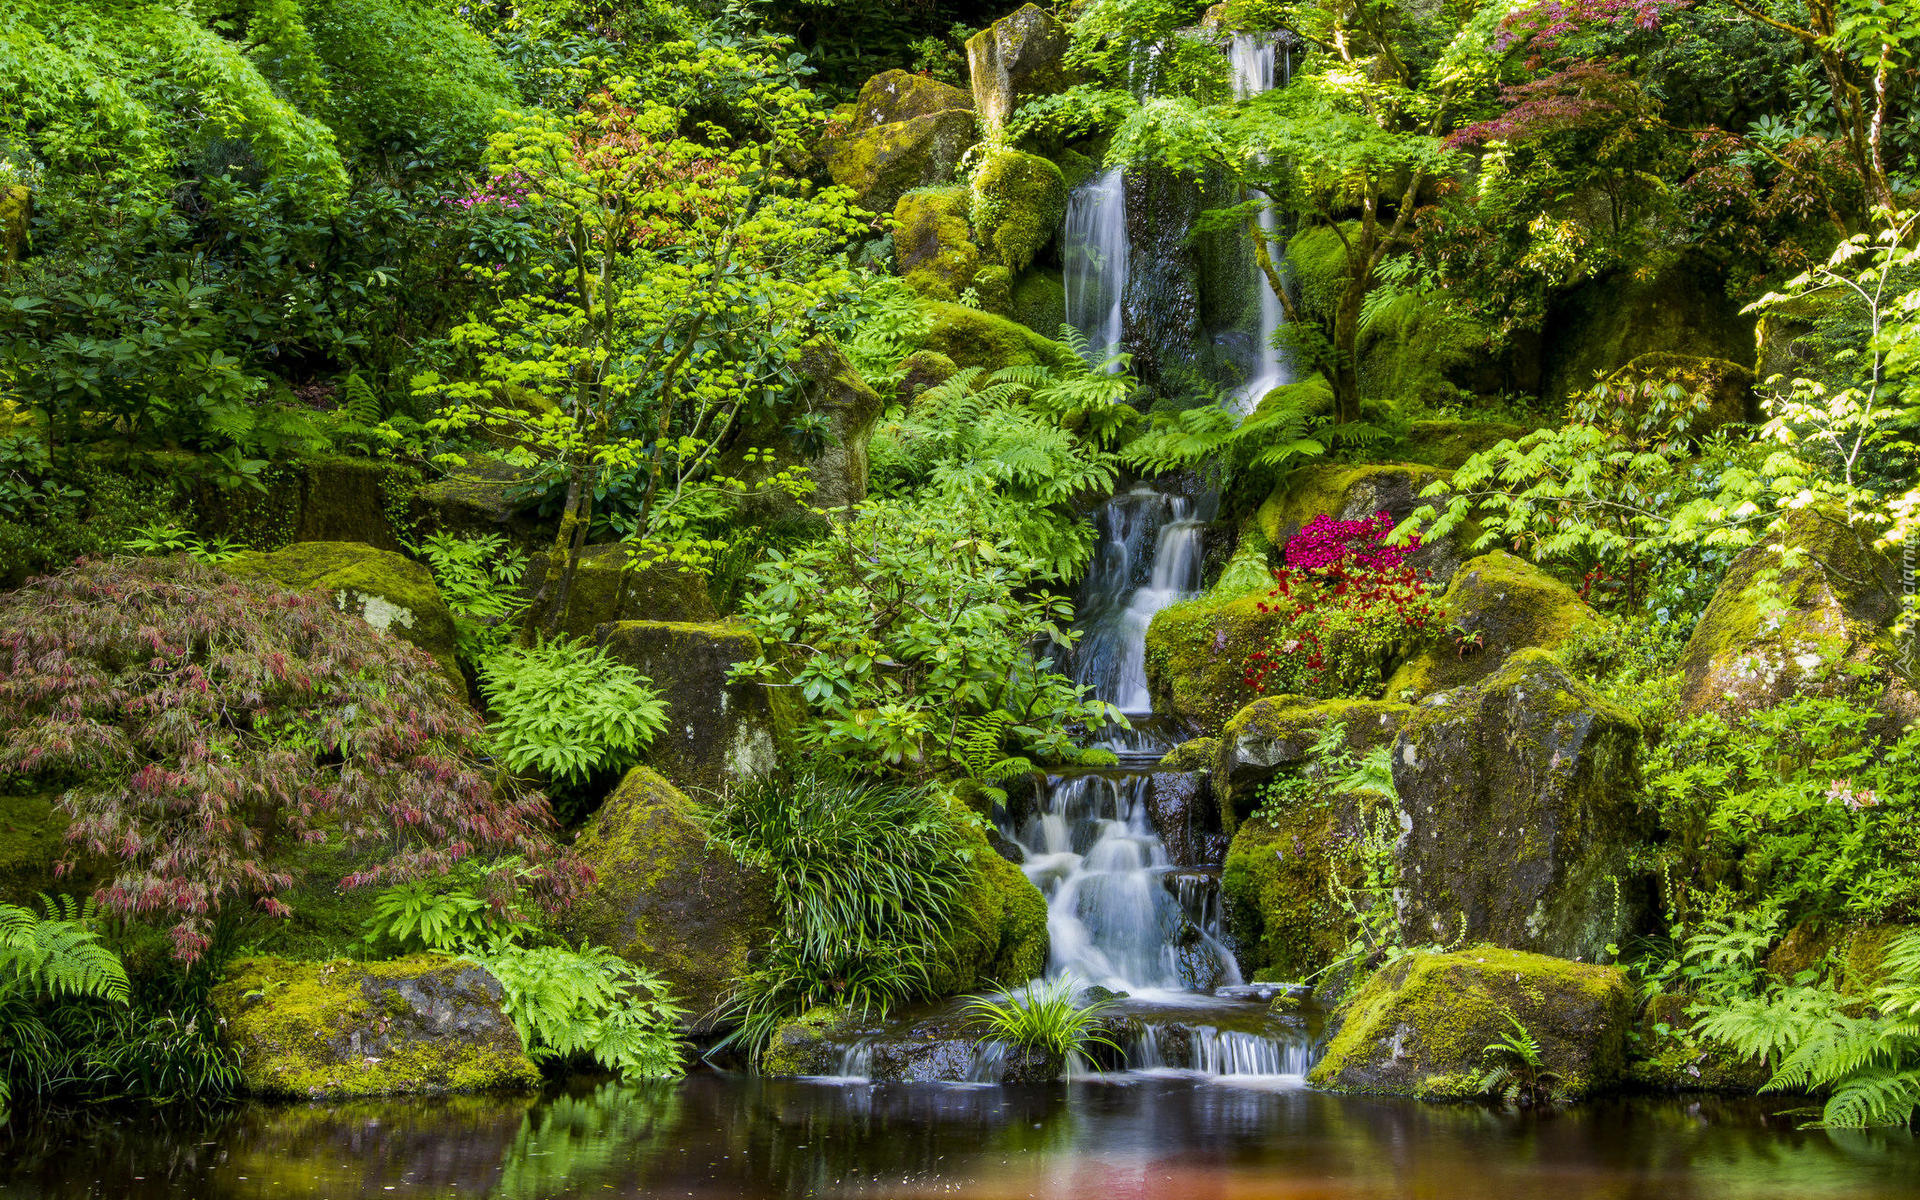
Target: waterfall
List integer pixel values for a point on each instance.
(1258, 67)
(1098, 254)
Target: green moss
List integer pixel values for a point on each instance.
(393, 594)
(1277, 733)
(609, 587)
(421, 1025)
(802, 1046)
(884, 163)
(719, 730)
(1276, 883)
(1318, 261)
(993, 290)
(1420, 1026)
(1510, 605)
(32, 839)
(971, 338)
(1196, 656)
(1196, 755)
(1449, 444)
(16, 213)
(925, 369)
(1664, 1056)
(1000, 933)
(933, 242)
(1019, 201)
(1727, 385)
(1040, 300)
(901, 96)
(1338, 489)
(1864, 967)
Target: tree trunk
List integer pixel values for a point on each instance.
(1344, 372)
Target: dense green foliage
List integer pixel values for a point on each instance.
(1043, 1016)
(564, 710)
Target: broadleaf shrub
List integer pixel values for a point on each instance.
(200, 726)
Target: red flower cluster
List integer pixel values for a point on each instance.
(1349, 605)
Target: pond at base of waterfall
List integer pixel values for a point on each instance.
(713, 1136)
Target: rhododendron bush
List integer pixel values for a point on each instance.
(200, 727)
(1350, 608)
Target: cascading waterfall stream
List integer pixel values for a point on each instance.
(1097, 261)
(1260, 64)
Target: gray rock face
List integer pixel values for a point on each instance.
(1518, 798)
(1180, 805)
(1013, 60)
(718, 731)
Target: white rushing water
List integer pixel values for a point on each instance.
(1152, 553)
(1097, 261)
(1259, 66)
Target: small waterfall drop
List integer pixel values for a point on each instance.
(1260, 64)
(1097, 261)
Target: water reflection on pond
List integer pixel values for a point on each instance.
(716, 1136)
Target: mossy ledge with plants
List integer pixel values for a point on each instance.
(555, 539)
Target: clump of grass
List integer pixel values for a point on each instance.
(1042, 1016)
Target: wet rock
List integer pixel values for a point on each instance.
(611, 584)
(426, 1025)
(1820, 627)
(1162, 301)
(886, 162)
(393, 594)
(1276, 733)
(1501, 605)
(664, 899)
(999, 935)
(1013, 60)
(718, 731)
(933, 242)
(1421, 1025)
(1197, 654)
(1519, 801)
(481, 497)
(1666, 1057)
(1040, 300)
(1180, 805)
(1019, 202)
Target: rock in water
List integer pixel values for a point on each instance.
(1519, 802)
(664, 899)
(426, 1025)
(1421, 1025)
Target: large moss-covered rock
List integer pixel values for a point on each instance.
(16, 215)
(610, 584)
(1606, 324)
(1019, 201)
(1819, 626)
(483, 495)
(933, 242)
(1197, 654)
(971, 338)
(808, 1044)
(663, 898)
(1351, 492)
(718, 731)
(395, 595)
(1520, 798)
(924, 369)
(1448, 444)
(1040, 300)
(835, 391)
(32, 838)
(885, 162)
(426, 1025)
(1421, 1025)
(326, 498)
(1000, 935)
(1284, 857)
(1726, 385)
(893, 96)
(1501, 605)
(1015, 59)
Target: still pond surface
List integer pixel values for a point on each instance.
(1167, 1137)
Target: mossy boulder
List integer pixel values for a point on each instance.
(1605, 324)
(933, 242)
(664, 899)
(807, 1045)
(1015, 59)
(1040, 300)
(1664, 1056)
(325, 498)
(924, 369)
(1019, 201)
(894, 96)
(1520, 801)
(1197, 653)
(1449, 444)
(833, 389)
(999, 936)
(1421, 1025)
(395, 595)
(993, 289)
(16, 217)
(610, 584)
(481, 496)
(1350, 492)
(971, 338)
(426, 1025)
(719, 731)
(1726, 385)
(1502, 605)
(1806, 612)
(1276, 734)
(886, 162)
